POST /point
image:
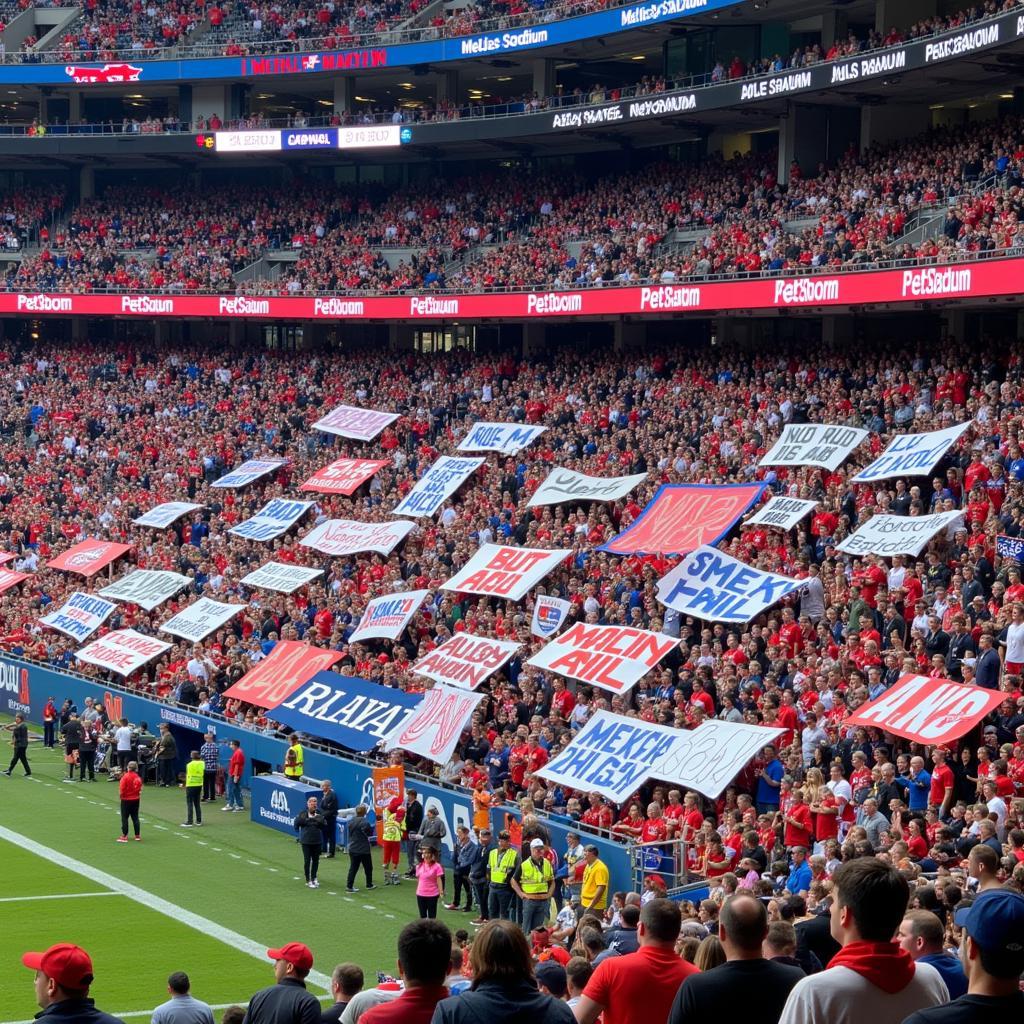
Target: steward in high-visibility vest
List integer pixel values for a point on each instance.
(392, 827)
(535, 876)
(501, 864)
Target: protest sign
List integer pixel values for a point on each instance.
(911, 454)
(352, 712)
(925, 710)
(277, 516)
(504, 438)
(200, 619)
(782, 513)
(814, 444)
(613, 657)
(1010, 547)
(9, 578)
(123, 651)
(347, 537)
(433, 729)
(504, 571)
(548, 615)
(89, 556)
(343, 476)
(148, 588)
(897, 535)
(80, 617)
(285, 579)
(164, 515)
(281, 673)
(562, 486)
(711, 585)
(359, 424)
(465, 661)
(681, 517)
(247, 472)
(385, 617)
(439, 482)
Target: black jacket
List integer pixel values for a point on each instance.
(310, 828)
(359, 832)
(287, 1002)
(518, 1004)
(413, 816)
(76, 1011)
(329, 804)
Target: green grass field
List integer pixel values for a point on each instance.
(208, 901)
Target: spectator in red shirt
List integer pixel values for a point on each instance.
(799, 830)
(424, 951)
(130, 792)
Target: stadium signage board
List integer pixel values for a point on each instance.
(385, 617)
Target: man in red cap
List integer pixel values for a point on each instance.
(287, 1002)
(63, 977)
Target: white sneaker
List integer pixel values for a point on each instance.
(310, 885)
(228, 808)
(316, 884)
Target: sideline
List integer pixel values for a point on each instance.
(56, 896)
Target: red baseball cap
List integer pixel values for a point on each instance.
(295, 953)
(67, 964)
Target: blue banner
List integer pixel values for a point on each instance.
(1010, 547)
(277, 801)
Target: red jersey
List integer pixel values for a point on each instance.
(130, 787)
(942, 779)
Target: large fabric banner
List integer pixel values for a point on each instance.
(438, 484)
(148, 588)
(9, 578)
(615, 658)
(385, 617)
(277, 516)
(281, 673)
(562, 486)
(711, 585)
(352, 712)
(681, 517)
(123, 651)
(433, 729)
(81, 615)
(465, 661)
(346, 537)
(911, 454)
(782, 513)
(1010, 547)
(814, 444)
(279, 576)
(925, 710)
(897, 535)
(505, 572)
(504, 438)
(162, 516)
(89, 556)
(200, 619)
(343, 476)
(247, 472)
(549, 613)
(353, 422)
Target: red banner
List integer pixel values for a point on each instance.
(682, 517)
(88, 557)
(931, 711)
(9, 578)
(913, 284)
(343, 476)
(281, 673)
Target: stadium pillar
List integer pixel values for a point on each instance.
(74, 107)
(401, 338)
(534, 339)
(837, 331)
(448, 86)
(86, 183)
(79, 333)
(954, 322)
(627, 336)
(544, 78)
(889, 122)
(787, 143)
(833, 26)
(208, 100)
(344, 94)
(902, 13)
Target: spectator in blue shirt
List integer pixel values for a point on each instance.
(917, 783)
(769, 781)
(921, 935)
(799, 879)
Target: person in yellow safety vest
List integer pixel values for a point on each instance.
(534, 882)
(194, 771)
(293, 760)
(501, 864)
(393, 829)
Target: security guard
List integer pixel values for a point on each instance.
(534, 882)
(194, 771)
(501, 865)
(293, 760)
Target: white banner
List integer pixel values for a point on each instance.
(385, 617)
(277, 516)
(615, 658)
(504, 571)
(164, 515)
(200, 619)
(148, 588)
(123, 651)
(351, 421)
(897, 535)
(465, 661)
(439, 482)
(247, 472)
(433, 729)
(562, 486)
(285, 579)
(782, 513)
(814, 444)
(549, 613)
(504, 438)
(911, 454)
(80, 617)
(347, 537)
(710, 585)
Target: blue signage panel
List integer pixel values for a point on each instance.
(276, 801)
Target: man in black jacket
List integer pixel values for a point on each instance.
(309, 823)
(413, 824)
(287, 1002)
(359, 832)
(478, 873)
(20, 743)
(72, 743)
(63, 976)
(329, 809)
